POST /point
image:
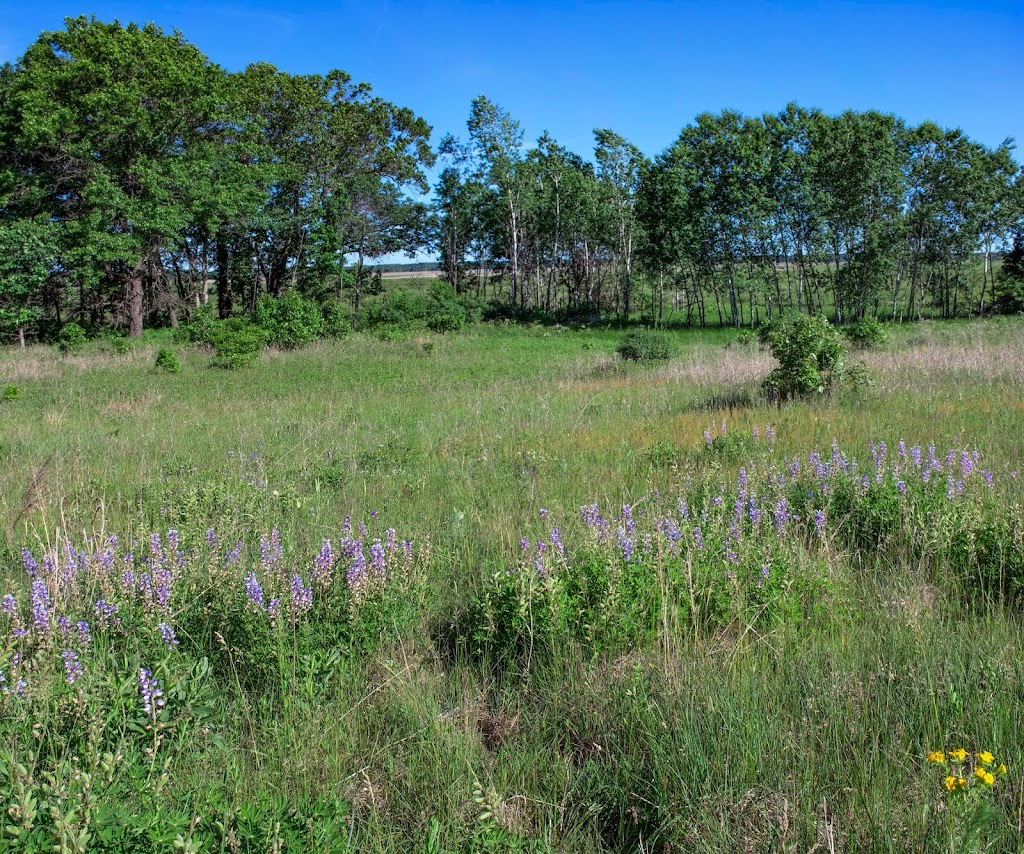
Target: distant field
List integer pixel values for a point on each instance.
(745, 645)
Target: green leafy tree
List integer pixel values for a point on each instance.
(27, 257)
(108, 123)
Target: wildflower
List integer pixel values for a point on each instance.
(958, 755)
(988, 779)
(981, 773)
(84, 637)
(9, 605)
(152, 694)
(302, 596)
(253, 589)
(72, 666)
(950, 783)
(1001, 770)
(961, 783)
(819, 521)
(167, 633)
(985, 758)
(937, 757)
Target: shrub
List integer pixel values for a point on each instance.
(237, 341)
(12, 392)
(289, 322)
(71, 338)
(810, 353)
(645, 345)
(865, 333)
(337, 318)
(166, 360)
(197, 330)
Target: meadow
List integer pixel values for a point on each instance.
(501, 591)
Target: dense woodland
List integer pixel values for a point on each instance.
(139, 181)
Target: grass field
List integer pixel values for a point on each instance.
(474, 664)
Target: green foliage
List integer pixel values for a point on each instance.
(72, 338)
(810, 354)
(337, 318)
(197, 331)
(645, 345)
(11, 391)
(866, 333)
(237, 341)
(289, 322)
(167, 360)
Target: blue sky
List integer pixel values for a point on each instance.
(644, 69)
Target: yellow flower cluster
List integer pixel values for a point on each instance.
(960, 775)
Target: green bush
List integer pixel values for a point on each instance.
(645, 345)
(166, 360)
(810, 353)
(197, 330)
(71, 338)
(337, 318)
(12, 392)
(289, 322)
(237, 341)
(865, 333)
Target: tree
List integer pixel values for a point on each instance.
(27, 255)
(107, 121)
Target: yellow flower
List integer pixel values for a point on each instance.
(937, 757)
(980, 773)
(988, 779)
(950, 783)
(958, 755)
(1002, 770)
(961, 783)
(985, 758)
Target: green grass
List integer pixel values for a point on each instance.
(449, 711)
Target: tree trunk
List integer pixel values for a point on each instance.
(135, 294)
(223, 283)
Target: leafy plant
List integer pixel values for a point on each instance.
(12, 392)
(645, 345)
(237, 341)
(71, 338)
(865, 333)
(289, 322)
(810, 353)
(166, 360)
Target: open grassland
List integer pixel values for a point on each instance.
(745, 645)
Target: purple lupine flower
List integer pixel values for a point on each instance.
(41, 603)
(625, 544)
(106, 613)
(698, 539)
(743, 481)
(819, 521)
(302, 596)
(627, 515)
(274, 608)
(950, 488)
(902, 487)
(323, 562)
(754, 511)
(717, 501)
(865, 483)
(167, 635)
(377, 563)
(105, 559)
(524, 544)
(707, 438)
(31, 567)
(763, 578)
(684, 511)
(988, 477)
(152, 694)
(211, 537)
(755, 433)
(590, 515)
(357, 571)
(374, 514)
(915, 455)
(253, 589)
(543, 513)
(363, 530)
(901, 449)
(232, 557)
(9, 605)
(407, 550)
(72, 666)
(84, 636)
(556, 542)
(781, 516)
(64, 625)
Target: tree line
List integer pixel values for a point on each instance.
(740, 219)
(139, 181)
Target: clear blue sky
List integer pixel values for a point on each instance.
(642, 68)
